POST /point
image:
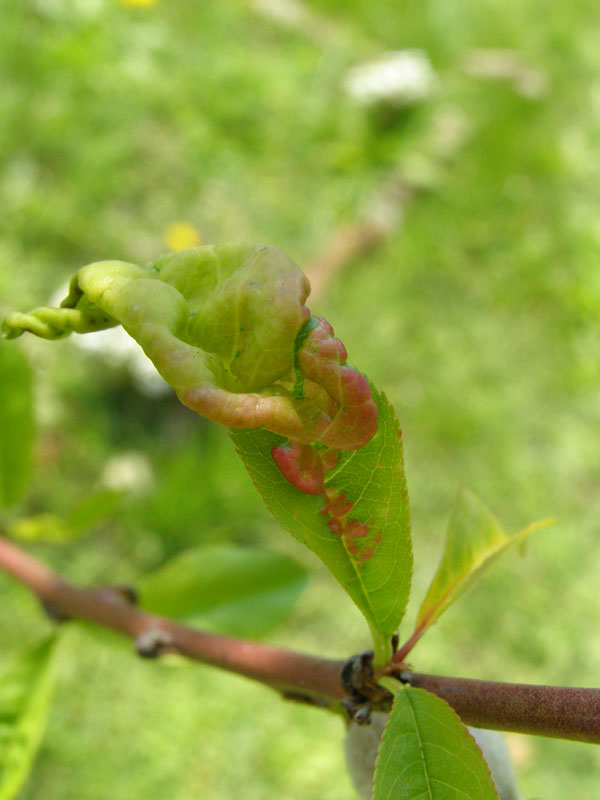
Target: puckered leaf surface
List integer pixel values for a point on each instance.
(222, 326)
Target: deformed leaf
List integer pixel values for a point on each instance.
(26, 688)
(426, 753)
(16, 424)
(227, 327)
(232, 590)
(359, 527)
(475, 540)
(219, 323)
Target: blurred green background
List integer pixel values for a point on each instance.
(128, 128)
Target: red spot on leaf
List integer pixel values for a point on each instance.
(353, 532)
(366, 554)
(301, 465)
(356, 529)
(353, 549)
(330, 459)
(304, 467)
(352, 421)
(336, 503)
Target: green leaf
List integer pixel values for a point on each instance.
(44, 527)
(25, 693)
(48, 527)
(426, 753)
(227, 327)
(475, 540)
(372, 478)
(92, 509)
(16, 424)
(225, 314)
(232, 590)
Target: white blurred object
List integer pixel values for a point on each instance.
(509, 67)
(362, 742)
(130, 472)
(289, 12)
(495, 751)
(401, 77)
(117, 348)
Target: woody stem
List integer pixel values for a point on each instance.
(561, 712)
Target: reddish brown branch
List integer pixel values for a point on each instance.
(567, 713)
(281, 669)
(556, 711)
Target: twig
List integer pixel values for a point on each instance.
(561, 712)
(555, 711)
(283, 670)
(350, 242)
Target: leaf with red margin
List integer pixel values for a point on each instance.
(366, 492)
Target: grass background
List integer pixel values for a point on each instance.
(478, 316)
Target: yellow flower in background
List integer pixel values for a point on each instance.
(137, 3)
(181, 235)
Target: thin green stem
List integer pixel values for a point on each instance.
(382, 648)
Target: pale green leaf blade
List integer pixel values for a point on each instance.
(373, 479)
(44, 527)
(26, 688)
(426, 753)
(49, 527)
(16, 424)
(231, 590)
(474, 542)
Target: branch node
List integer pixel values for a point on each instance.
(54, 613)
(153, 643)
(120, 593)
(364, 693)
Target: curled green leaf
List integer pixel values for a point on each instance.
(227, 327)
